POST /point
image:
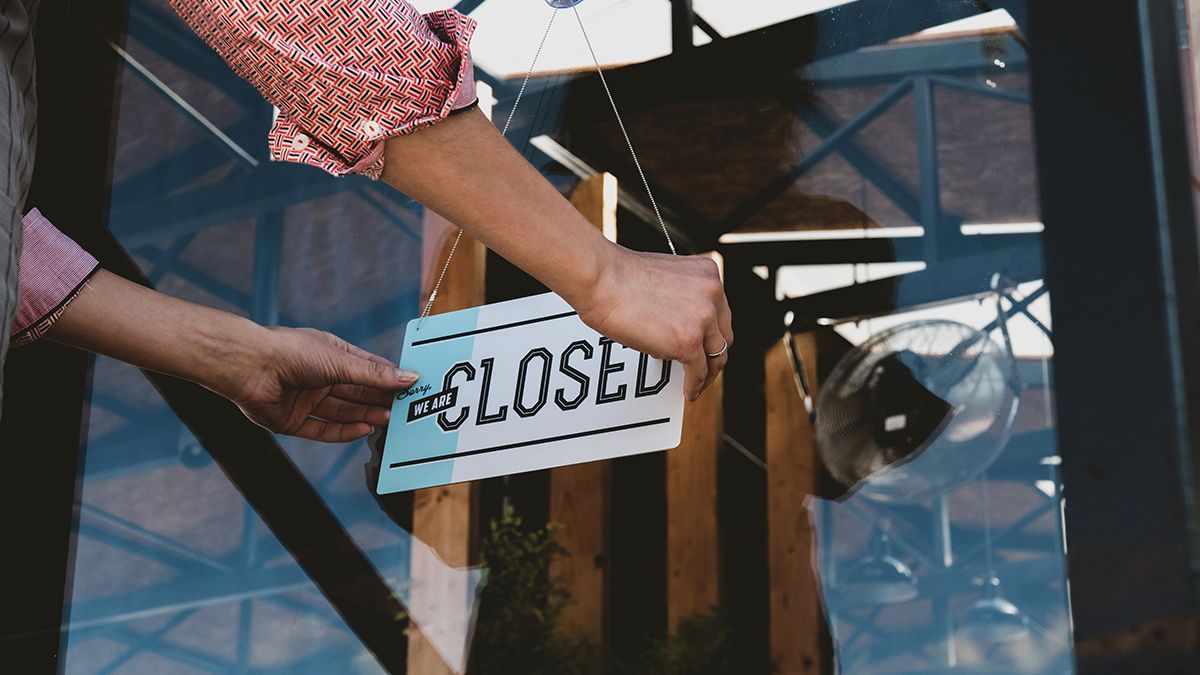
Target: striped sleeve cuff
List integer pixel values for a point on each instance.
(53, 269)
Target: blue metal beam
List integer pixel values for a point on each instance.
(185, 655)
(383, 316)
(468, 6)
(200, 591)
(189, 112)
(244, 636)
(866, 23)
(168, 174)
(952, 279)
(370, 195)
(165, 264)
(271, 187)
(171, 39)
(1022, 306)
(339, 464)
(838, 138)
(149, 441)
(929, 180)
(831, 142)
(268, 261)
(975, 88)
(170, 258)
(115, 406)
(885, 63)
(328, 660)
(129, 545)
(133, 648)
(153, 545)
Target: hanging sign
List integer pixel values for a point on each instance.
(518, 386)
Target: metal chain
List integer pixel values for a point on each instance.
(621, 124)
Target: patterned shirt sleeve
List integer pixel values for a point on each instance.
(53, 269)
(344, 74)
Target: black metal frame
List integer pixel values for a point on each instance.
(47, 385)
(1122, 266)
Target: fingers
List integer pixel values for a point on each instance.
(725, 320)
(339, 410)
(714, 344)
(381, 374)
(715, 327)
(358, 367)
(695, 371)
(331, 432)
(720, 335)
(361, 394)
(364, 354)
(724, 317)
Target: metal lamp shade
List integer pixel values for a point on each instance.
(992, 621)
(878, 580)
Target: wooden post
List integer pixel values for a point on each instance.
(795, 607)
(445, 518)
(693, 554)
(579, 493)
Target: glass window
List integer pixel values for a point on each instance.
(871, 487)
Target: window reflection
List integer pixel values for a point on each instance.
(880, 198)
(962, 563)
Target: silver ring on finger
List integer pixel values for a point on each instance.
(724, 348)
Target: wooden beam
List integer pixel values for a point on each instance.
(579, 501)
(693, 568)
(445, 518)
(579, 494)
(596, 199)
(693, 548)
(795, 608)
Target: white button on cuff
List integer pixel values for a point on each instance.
(371, 128)
(300, 142)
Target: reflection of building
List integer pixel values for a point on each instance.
(848, 164)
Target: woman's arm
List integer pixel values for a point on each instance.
(300, 382)
(668, 306)
(385, 71)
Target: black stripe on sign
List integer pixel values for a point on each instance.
(539, 441)
(477, 331)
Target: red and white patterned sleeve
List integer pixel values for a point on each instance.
(344, 74)
(53, 269)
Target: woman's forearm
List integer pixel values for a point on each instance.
(296, 381)
(118, 318)
(463, 169)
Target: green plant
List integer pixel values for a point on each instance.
(517, 629)
(700, 645)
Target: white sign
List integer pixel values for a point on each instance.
(518, 386)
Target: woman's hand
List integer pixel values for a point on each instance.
(671, 307)
(667, 306)
(296, 381)
(315, 385)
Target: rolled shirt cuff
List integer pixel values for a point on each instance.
(53, 269)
